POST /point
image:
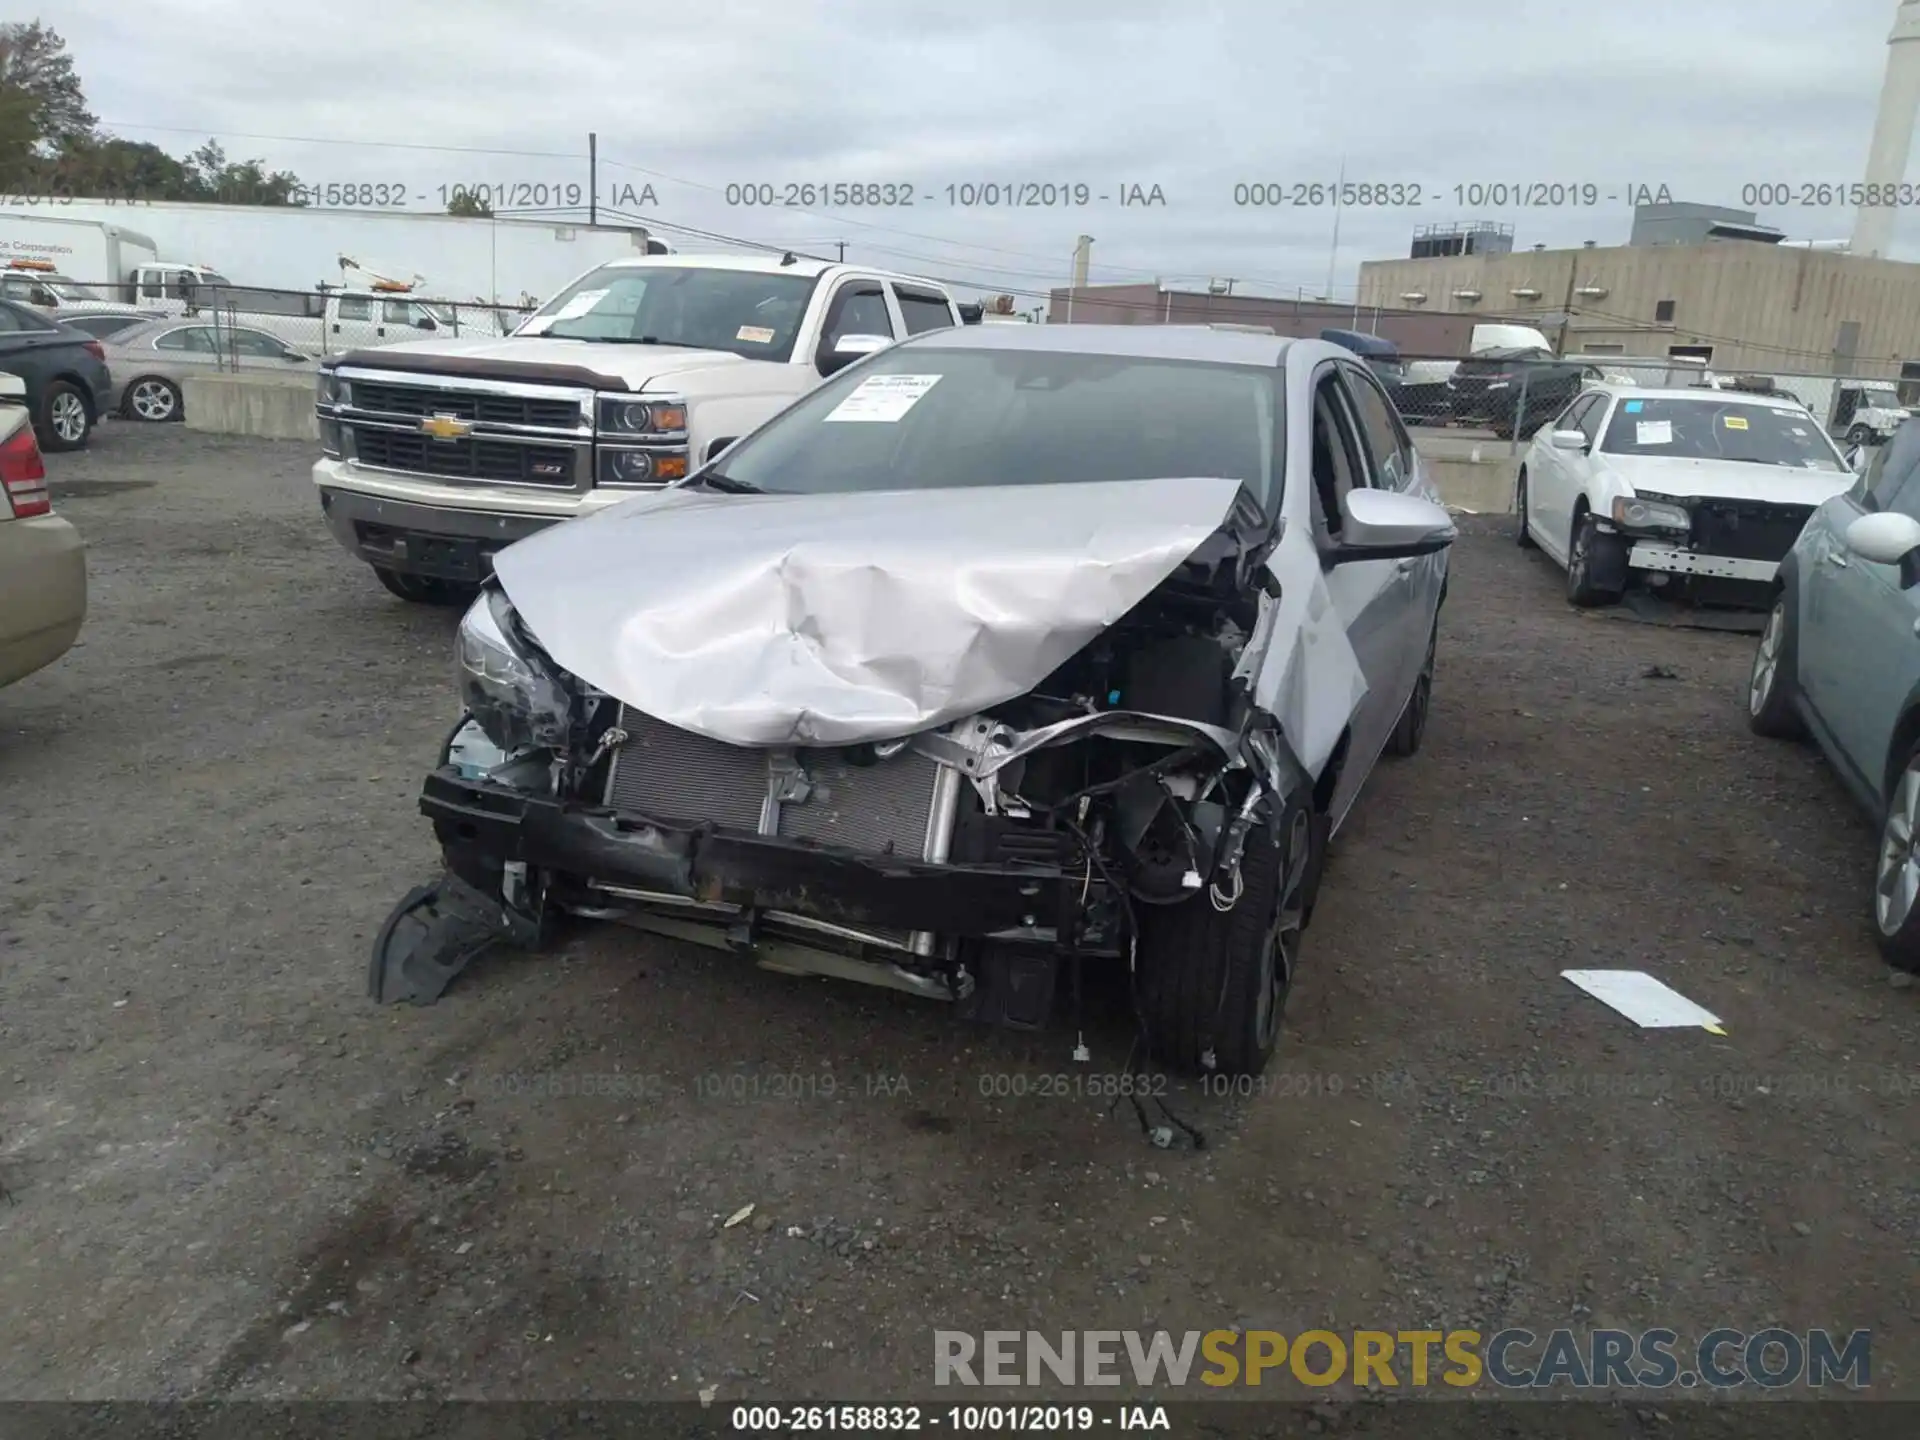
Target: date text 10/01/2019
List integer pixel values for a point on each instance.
(1475, 194)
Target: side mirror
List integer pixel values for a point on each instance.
(849, 348)
(1569, 440)
(1887, 538)
(425, 322)
(1390, 525)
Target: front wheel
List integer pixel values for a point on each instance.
(1860, 435)
(1591, 565)
(1774, 681)
(153, 399)
(1521, 535)
(1214, 982)
(1896, 879)
(65, 419)
(423, 590)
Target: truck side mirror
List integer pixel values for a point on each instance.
(425, 322)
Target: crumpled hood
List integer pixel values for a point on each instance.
(836, 619)
(1731, 480)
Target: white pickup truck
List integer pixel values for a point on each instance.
(437, 454)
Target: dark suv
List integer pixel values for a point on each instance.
(65, 371)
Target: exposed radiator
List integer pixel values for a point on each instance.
(676, 776)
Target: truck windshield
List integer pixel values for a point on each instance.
(1760, 434)
(931, 418)
(21, 286)
(746, 312)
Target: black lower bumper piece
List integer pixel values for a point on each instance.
(493, 824)
(434, 933)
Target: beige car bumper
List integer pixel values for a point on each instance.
(43, 593)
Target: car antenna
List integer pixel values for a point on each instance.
(787, 259)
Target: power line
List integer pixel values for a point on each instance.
(217, 134)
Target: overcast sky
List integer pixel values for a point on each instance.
(1194, 97)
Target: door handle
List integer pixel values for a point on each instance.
(1834, 557)
(1405, 566)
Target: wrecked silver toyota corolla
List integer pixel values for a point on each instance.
(1008, 651)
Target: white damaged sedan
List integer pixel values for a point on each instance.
(1009, 650)
(1696, 494)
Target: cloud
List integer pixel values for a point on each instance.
(1704, 98)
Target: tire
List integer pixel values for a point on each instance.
(154, 399)
(1214, 984)
(1860, 435)
(66, 420)
(1773, 683)
(1411, 728)
(1896, 871)
(1587, 544)
(421, 590)
(1520, 535)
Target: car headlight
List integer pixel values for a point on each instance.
(622, 416)
(1638, 513)
(512, 695)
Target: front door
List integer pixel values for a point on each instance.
(1372, 597)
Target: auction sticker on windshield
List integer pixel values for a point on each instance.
(579, 305)
(758, 334)
(1653, 432)
(1734, 422)
(883, 398)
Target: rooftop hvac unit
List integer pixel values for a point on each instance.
(1468, 295)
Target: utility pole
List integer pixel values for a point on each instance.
(1082, 260)
(593, 178)
(1333, 251)
(1566, 307)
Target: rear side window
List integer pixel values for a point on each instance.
(923, 312)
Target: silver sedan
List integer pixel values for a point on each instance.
(151, 362)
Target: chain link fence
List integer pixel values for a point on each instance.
(1506, 397)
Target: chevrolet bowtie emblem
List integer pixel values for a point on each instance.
(446, 427)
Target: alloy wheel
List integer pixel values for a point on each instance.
(152, 400)
(68, 418)
(1897, 881)
(1766, 659)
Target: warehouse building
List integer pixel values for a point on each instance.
(1415, 331)
(1693, 281)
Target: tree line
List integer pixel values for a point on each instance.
(52, 145)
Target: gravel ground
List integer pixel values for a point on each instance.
(231, 1175)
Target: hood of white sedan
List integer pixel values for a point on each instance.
(1728, 480)
(840, 618)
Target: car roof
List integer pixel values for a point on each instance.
(802, 266)
(1146, 342)
(1621, 390)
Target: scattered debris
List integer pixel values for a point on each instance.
(409, 1356)
(707, 1394)
(1899, 979)
(1802, 1228)
(1659, 672)
(734, 1219)
(1644, 1000)
(463, 1247)
(747, 1295)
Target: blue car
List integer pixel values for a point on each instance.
(1839, 661)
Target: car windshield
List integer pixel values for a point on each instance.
(933, 418)
(747, 312)
(1755, 432)
(20, 285)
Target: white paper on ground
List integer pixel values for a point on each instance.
(1653, 432)
(883, 398)
(1644, 1000)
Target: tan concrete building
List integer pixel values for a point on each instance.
(1743, 305)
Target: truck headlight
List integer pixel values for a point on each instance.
(326, 388)
(512, 695)
(641, 467)
(1635, 512)
(622, 416)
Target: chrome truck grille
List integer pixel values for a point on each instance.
(886, 808)
(488, 432)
